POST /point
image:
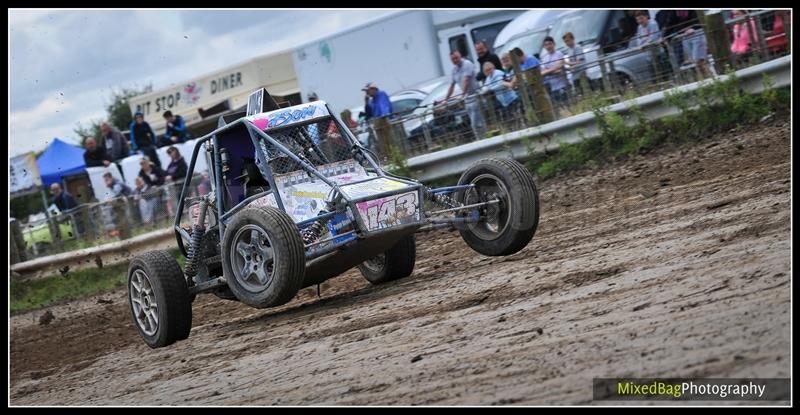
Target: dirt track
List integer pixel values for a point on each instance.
(677, 264)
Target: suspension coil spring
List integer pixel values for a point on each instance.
(312, 232)
(195, 248)
(441, 199)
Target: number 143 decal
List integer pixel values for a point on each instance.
(389, 211)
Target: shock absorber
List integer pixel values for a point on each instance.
(195, 241)
(312, 232)
(441, 199)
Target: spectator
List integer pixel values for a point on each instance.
(176, 130)
(503, 90)
(151, 173)
(464, 74)
(118, 189)
(313, 129)
(574, 53)
(114, 142)
(63, 200)
(647, 32)
(508, 69)
(147, 199)
(205, 184)
(573, 56)
(94, 156)
(693, 42)
(525, 62)
(663, 18)
(552, 63)
(742, 40)
(347, 119)
(376, 102)
(627, 25)
(177, 167)
(143, 139)
(484, 55)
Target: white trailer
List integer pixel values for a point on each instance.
(394, 52)
(461, 29)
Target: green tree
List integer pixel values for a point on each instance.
(118, 109)
(92, 130)
(118, 112)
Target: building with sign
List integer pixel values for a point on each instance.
(200, 101)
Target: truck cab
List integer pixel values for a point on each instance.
(459, 30)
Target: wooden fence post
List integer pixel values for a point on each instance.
(718, 42)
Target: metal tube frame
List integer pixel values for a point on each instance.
(339, 199)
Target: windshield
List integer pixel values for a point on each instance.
(530, 43)
(585, 25)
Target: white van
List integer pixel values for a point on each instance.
(532, 21)
(460, 29)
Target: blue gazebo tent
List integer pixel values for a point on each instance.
(58, 160)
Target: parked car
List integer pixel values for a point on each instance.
(435, 120)
(404, 102)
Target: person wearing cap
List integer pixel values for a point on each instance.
(376, 102)
(312, 129)
(143, 139)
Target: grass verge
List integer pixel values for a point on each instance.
(35, 294)
(712, 109)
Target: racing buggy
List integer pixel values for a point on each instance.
(296, 200)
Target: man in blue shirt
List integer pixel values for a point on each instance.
(376, 102)
(525, 62)
(176, 130)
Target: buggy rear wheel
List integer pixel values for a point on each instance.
(159, 299)
(509, 223)
(394, 264)
(264, 257)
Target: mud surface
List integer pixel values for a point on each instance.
(675, 264)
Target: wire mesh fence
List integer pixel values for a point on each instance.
(562, 84)
(143, 210)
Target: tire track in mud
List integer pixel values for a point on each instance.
(673, 264)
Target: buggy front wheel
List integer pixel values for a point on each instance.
(510, 218)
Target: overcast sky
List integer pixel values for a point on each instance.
(63, 64)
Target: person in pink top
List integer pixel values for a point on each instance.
(742, 40)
